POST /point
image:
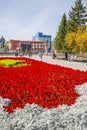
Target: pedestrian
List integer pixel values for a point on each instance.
(71, 57)
(54, 55)
(30, 53)
(41, 55)
(66, 56)
(16, 53)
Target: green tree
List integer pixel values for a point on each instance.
(71, 26)
(59, 40)
(6, 47)
(77, 16)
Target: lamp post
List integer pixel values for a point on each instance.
(80, 45)
(47, 46)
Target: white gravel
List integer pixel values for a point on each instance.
(33, 117)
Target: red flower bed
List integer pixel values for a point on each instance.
(41, 83)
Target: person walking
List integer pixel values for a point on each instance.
(53, 55)
(16, 53)
(30, 53)
(41, 55)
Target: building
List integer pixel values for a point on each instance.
(14, 44)
(46, 38)
(36, 46)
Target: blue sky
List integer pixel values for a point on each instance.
(22, 19)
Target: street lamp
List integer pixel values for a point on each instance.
(47, 46)
(80, 45)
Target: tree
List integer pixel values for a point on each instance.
(70, 41)
(84, 42)
(77, 16)
(6, 47)
(81, 40)
(71, 26)
(59, 40)
(77, 41)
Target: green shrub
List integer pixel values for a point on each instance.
(12, 63)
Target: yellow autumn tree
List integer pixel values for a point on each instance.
(70, 41)
(84, 42)
(81, 40)
(77, 41)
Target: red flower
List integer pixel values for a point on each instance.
(39, 82)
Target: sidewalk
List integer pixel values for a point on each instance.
(74, 65)
(48, 59)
